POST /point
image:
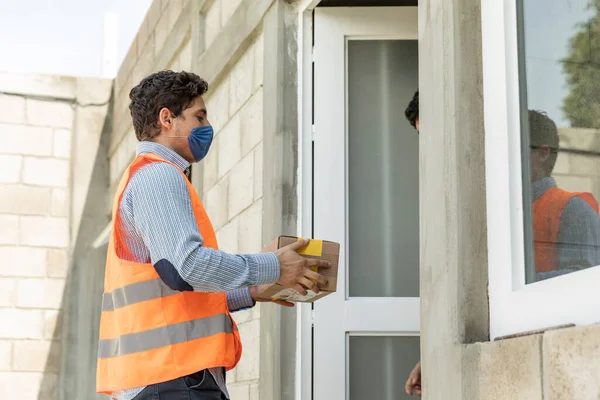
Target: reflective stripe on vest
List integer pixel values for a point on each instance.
(150, 333)
(164, 336)
(547, 214)
(136, 293)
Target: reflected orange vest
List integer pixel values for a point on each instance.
(150, 333)
(547, 213)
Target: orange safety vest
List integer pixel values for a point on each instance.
(150, 333)
(547, 213)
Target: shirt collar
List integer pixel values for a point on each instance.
(540, 186)
(162, 151)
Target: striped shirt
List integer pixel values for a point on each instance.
(578, 244)
(159, 223)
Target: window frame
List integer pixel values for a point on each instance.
(514, 306)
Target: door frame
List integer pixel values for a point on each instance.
(305, 312)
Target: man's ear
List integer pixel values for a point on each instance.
(544, 152)
(165, 118)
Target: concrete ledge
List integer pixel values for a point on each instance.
(52, 86)
(554, 365)
(572, 363)
(93, 91)
(507, 370)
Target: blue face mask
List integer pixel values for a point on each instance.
(200, 140)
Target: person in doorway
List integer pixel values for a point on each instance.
(413, 383)
(566, 225)
(412, 111)
(166, 330)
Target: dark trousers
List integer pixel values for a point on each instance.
(198, 386)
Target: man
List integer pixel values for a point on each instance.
(413, 383)
(566, 225)
(166, 330)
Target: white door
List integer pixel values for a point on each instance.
(366, 335)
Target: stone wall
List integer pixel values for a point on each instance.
(162, 42)
(229, 180)
(232, 183)
(556, 365)
(39, 124)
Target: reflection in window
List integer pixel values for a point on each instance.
(560, 100)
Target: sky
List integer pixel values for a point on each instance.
(549, 24)
(64, 37)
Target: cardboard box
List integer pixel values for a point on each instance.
(322, 249)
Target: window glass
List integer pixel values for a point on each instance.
(383, 170)
(559, 45)
(376, 364)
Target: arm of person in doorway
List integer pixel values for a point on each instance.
(578, 236)
(413, 383)
(164, 218)
(578, 244)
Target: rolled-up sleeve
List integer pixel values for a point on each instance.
(239, 299)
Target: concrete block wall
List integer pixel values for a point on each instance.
(36, 131)
(577, 168)
(163, 42)
(556, 365)
(232, 179)
(47, 128)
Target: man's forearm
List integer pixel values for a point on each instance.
(210, 270)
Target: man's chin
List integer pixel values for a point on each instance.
(187, 155)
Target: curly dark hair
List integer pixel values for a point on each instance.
(543, 132)
(412, 111)
(173, 90)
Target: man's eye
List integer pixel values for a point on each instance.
(200, 119)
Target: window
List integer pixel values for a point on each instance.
(541, 66)
(560, 116)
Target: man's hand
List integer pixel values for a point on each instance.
(255, 290)
(413, 384)
(295, 270)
